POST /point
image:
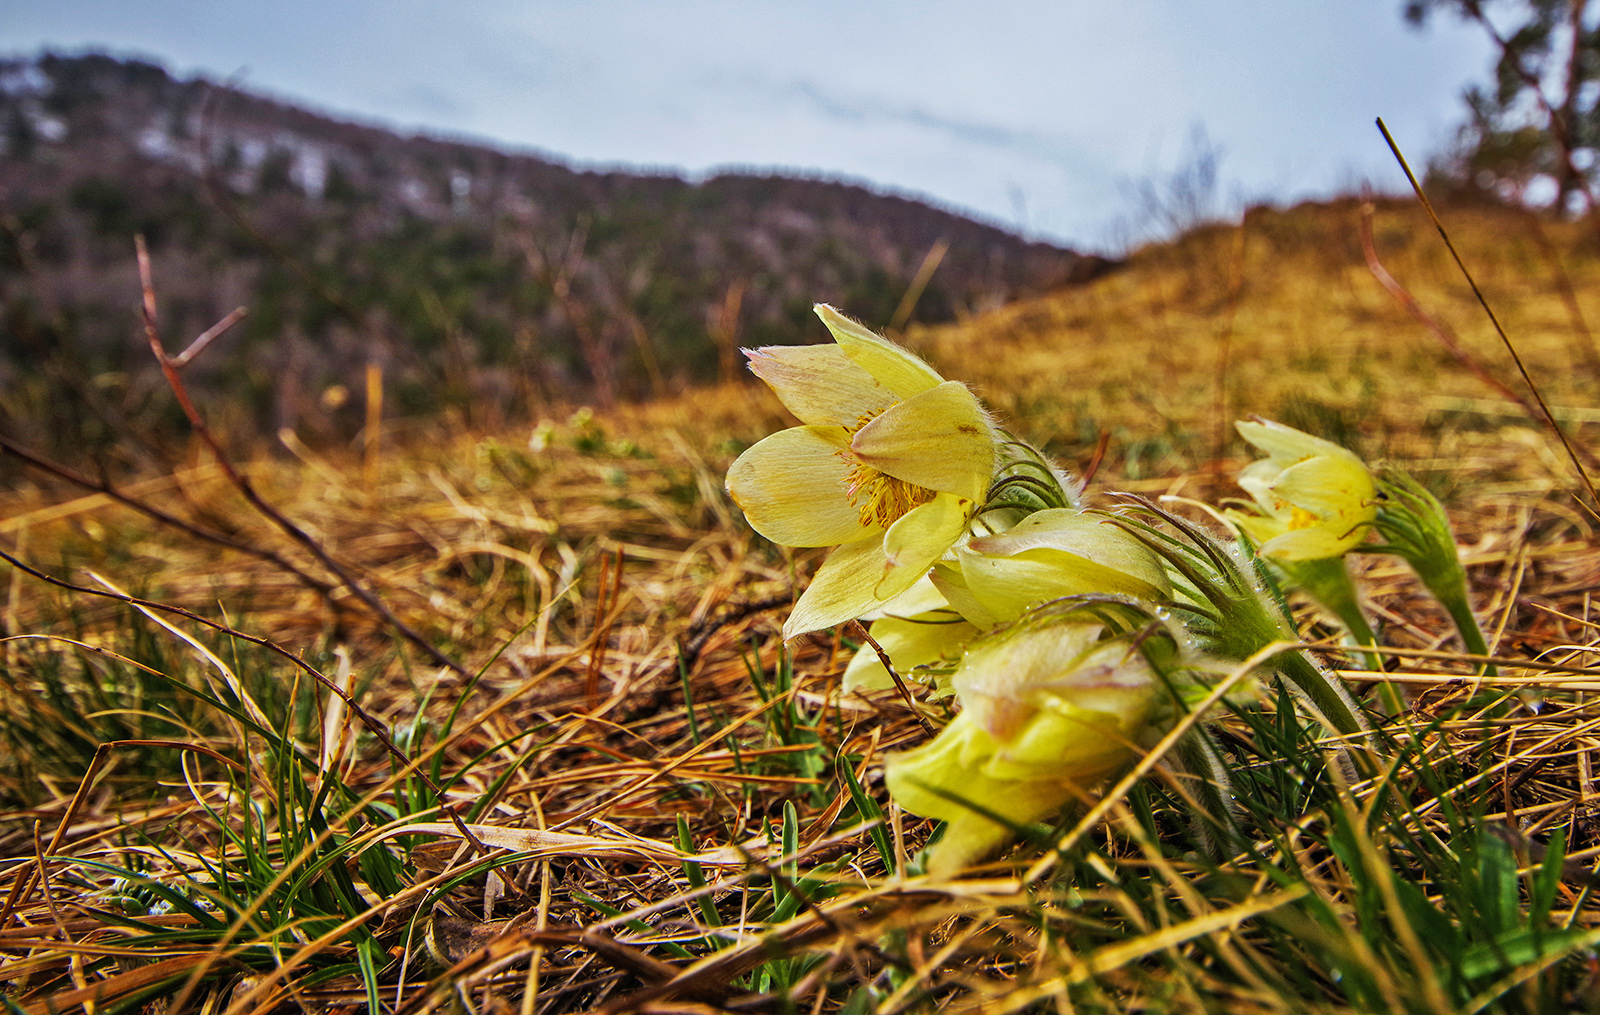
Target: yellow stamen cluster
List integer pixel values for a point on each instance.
(887, 499)
(880, 498)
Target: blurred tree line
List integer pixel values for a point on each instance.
(1532, 134)
(482, 283)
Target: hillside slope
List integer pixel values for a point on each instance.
(1283, 318)
(481, 280)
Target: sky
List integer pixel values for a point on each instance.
(1040, 116)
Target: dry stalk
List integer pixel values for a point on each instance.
(169, 368)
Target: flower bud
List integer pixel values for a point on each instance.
(1049, 554)
(1316, 499)
(1053, 705)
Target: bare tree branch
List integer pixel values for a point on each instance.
(247, 488)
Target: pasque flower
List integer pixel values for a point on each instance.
(1052, 706)
(993, 579)
(1317, 500)
(889, 465)
(1047, 555)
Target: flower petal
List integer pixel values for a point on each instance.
(1084, 538)
(950, 762)
(947, 779)
(1259, 528)
(1316, 543)
(951, 582)
(1256, 479)
(1286, 444)
(898, 370)
(923, 597)
(938, 440)
(1334, 489)
(1069, 743)
(910, 642)
(791, 488)
(1006, 586)
(841, 589)
(920, 537)
(819, 383)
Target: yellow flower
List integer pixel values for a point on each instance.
(1051, 708)
(1317, 499)
(1049, 554)
(889, 465)
(993, 579)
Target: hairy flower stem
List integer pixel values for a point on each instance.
(1328, 582)
(1414, 525)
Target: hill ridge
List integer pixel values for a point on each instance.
(478, 276)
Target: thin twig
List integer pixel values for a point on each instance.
(1097, 459)
(206, 337)
(860, 630)
(104, 487)
(245, 487)
(1549, 417)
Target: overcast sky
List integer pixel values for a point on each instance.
(1035, 114)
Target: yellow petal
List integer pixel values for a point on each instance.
(951, 763)
(951, 582)
(1332, 488)
(938, 440)
(1285, 443)
(1003, 674)
(1073, 745)
(898, 370)
(946, 779)
(819, 383)
(1316, 543)
(841, 590)
(791, 488)
(923, 597)
(1086, 539)
(1006, 586)
(910, 642)
(920, 537)
(1256, 479)
(1259, 528)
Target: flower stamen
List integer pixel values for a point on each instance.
(880, 498)
(1300, 518)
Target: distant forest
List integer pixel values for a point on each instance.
(482, 282)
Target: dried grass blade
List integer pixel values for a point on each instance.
(1548, 417)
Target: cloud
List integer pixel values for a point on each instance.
(424, 102)
(1059, 152)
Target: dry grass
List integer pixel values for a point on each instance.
(235, 844)
(1297, 330)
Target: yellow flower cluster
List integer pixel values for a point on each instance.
(966, 552)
